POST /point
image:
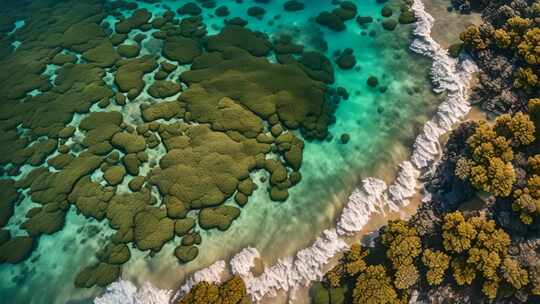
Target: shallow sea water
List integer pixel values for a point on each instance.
(381, 126)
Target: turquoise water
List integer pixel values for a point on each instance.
(381, 128)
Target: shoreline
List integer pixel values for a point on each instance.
(366, 205)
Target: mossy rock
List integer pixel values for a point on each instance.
(241, 199)
(218, 217)
(247, 78)
(293, 6)
(136, 20)
(256, 11)
(278, 195)
(114, 175)
(204, 167)
(176, 209)
(121, 211)
(389, 24)
(407, 17)
(164, 88)
(129, 76)
(237, 36)
(8, 197)
(189, 8)
(101, 274)
(116, 254)
(45, 221)
(363, 20)
(186, 254)
(277, 171)
(331, 20)
(66, 132)
(152, 229)
(372, 81)
(132, 164)
(387, 11)
(346, 60)
(91, 199)
(102, 55)
(61, 59)
(60, 161)
(182, 50)
(16, 250)
(136, 183)
(183, 226)
(161, 110)
(128, 50)
(247, 186)
(222, 11)
(129, 143)
(191, 239)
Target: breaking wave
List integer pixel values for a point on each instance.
(449, 76)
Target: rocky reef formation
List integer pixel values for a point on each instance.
(93, 122)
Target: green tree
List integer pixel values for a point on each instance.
(374, 286)
(437, 263)
(514, 274)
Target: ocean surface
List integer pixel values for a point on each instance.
(382, 127)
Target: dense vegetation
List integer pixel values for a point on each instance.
(232, 291)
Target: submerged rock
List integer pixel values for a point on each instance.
(16, 250)
(186, 254)
(152, 229)
(163, 89)
(218, 217)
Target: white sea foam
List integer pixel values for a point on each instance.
(449, 76)
(125, 292)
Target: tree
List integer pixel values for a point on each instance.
(534, 112)
(526, 79)
(534, 164)
(403, 243)
(351, 264)
(232, 291)
(437, 263)
(457, 233)
(518, 128)
(405, 276)
(502, 38)
(374, 287)
(514, 274)
(201, 293)
(529, 48)
(472, 37)
(463, 273)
